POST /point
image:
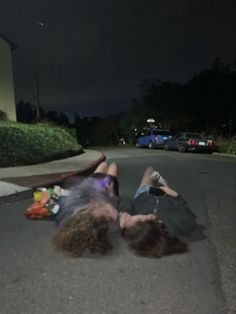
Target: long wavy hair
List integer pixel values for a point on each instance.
(81, 232)
(151, 239)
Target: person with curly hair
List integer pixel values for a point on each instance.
(158, 221)
(89, 213)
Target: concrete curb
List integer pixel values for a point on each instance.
(27, 192)
(85, 170)
(225, 155)
(17, 196)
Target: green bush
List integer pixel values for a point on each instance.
(26, 144)
(51, 124)
(227, 146)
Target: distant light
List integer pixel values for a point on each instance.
(40, 23)
(151, 120)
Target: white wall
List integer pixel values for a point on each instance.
(7, 98)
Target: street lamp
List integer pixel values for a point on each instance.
(150, 120)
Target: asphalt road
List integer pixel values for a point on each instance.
(34, 279)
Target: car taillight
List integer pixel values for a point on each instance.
(192, 142)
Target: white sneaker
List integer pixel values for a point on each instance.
(157, 178)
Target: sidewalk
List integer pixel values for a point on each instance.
(18, 182)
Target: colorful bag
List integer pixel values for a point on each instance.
(46, 203)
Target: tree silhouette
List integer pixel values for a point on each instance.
(57, 118)
(25, 112)
(206, 102)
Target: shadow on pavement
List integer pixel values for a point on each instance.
(198, 234)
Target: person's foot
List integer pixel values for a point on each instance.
(155, 176)
(158, 179)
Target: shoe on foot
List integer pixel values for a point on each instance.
(157, 178)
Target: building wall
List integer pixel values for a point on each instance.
(7, 97)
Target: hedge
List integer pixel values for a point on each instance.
(27, 144)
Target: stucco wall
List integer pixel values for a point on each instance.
(7, 97)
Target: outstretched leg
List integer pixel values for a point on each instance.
(102, 167)
(113, 169)
(113, 188)
(146, 179)
(153, 178)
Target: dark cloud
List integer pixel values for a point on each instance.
(91, 55)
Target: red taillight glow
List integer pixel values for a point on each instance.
(192, 142)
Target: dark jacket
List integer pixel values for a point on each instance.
(173, 211)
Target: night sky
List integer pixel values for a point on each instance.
(91, 55)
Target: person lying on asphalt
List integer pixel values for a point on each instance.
(154, 224)
(158, 220)
(90, 214)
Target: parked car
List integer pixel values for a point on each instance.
(188, 141)
(152, 137)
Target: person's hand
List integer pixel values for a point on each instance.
(128, 221)
(169, 191)
(148, 217)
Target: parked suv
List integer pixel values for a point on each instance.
(152, 137)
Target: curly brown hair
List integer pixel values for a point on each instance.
(151, 239)
(83, 231)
